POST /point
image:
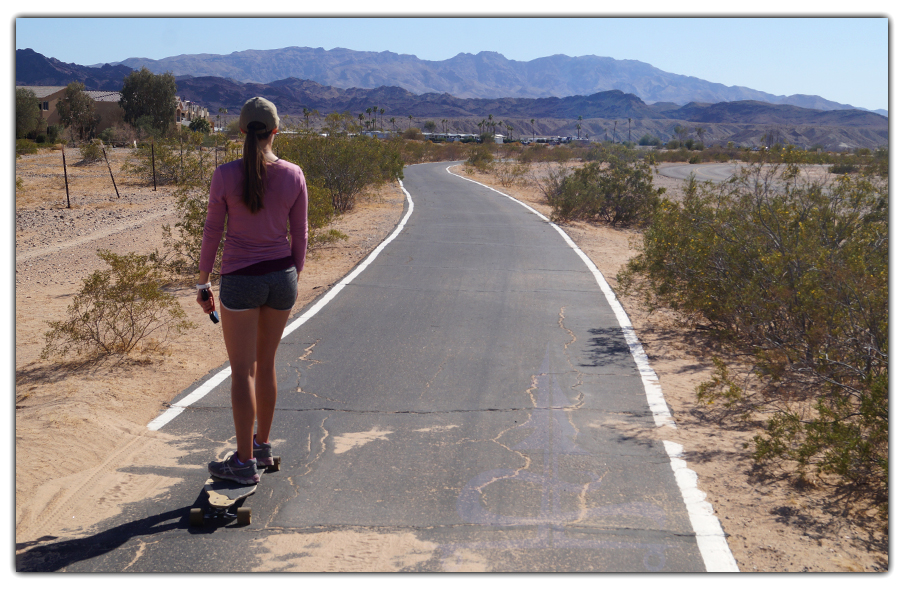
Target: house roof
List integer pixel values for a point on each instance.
(42, 91)
(104, 96)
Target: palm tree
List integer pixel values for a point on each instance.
(629, 129)
(393, 120)
(381, 112)
(532, 129)
(307, 113)
(700, 131)
(410, 121)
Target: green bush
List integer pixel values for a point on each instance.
(320, 215)
(25, 146)
(843, 169)
(481, 158)
(618, 192)
(345, 166)
(183, 241)
(795, 275)
(91, 151)
(509, 172)
(117, 311)
(174, 160)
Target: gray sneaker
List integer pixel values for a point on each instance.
(228, 469)
(263, 453)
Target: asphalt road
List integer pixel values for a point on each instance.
(471, 387)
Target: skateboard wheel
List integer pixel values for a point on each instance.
(196, 517)
(243, 515)
(276, 463)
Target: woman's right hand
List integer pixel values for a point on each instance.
(208, 305)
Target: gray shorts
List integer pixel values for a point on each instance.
(277, 290)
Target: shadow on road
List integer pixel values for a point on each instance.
(606, 346)
(56, 556)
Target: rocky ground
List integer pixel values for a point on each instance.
(77, 420)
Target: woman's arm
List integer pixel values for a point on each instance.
(299, 227)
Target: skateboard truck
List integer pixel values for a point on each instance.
(225, 496)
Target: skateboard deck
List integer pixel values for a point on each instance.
(225, 495)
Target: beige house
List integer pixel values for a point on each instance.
(187, 111)
(106, 105)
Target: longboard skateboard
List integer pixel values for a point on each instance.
(225, 496)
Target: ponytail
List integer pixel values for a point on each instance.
(255, 166)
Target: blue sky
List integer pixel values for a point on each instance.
(844, 59)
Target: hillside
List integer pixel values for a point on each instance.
(605, 114)
(483, 75)
(609, 114)
(32, 68)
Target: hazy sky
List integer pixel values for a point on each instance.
(844, 59)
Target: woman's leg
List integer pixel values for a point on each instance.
(270, 327)
(240, 331)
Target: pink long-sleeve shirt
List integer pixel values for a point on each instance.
(256, 237)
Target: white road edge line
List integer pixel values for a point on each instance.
(717, 555)
(176, 408)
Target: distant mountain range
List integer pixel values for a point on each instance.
(483, 75)
(609, 113)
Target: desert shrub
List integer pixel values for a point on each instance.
(480, 159)
(548, 179)
(843, 168)
(91, 151)
(413, 134)
(539, 152)
(24, 147)
(182, 241)
(509, 172)
(320, 214)
(795, 276)
(617, 192)
(108, 135)
(344, 166)
(179, 159)
(607, 152)
(118, 310)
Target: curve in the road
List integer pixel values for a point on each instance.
(711, 540)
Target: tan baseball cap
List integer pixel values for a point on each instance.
(259, 110)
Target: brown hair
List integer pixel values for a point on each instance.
(255, 166)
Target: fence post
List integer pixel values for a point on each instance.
(66, 176)
(153, 163)
(110, 172)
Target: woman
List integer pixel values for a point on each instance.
(261, 195)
